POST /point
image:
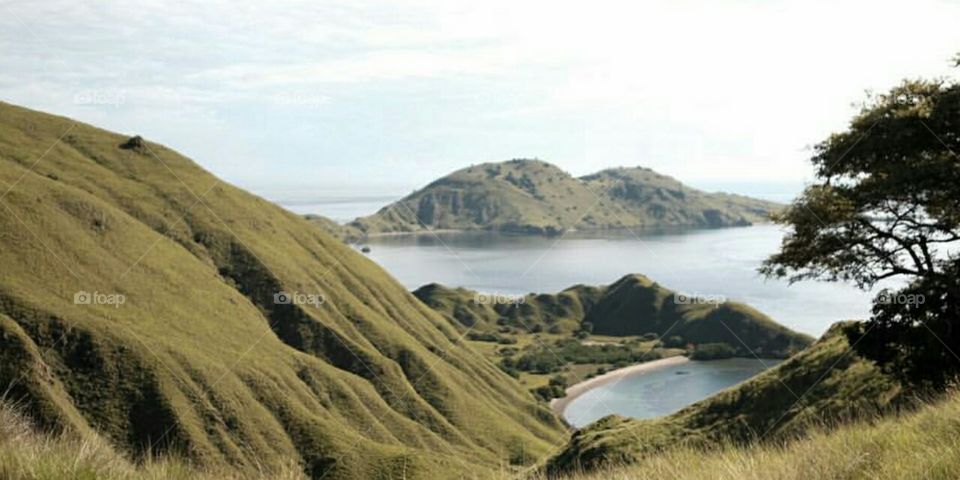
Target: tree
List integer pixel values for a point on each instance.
(887, 205)
(713, 351)
(674, 341)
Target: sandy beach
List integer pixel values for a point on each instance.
(560, 404)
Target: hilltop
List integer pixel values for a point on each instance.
(140, 302)
(533, 196)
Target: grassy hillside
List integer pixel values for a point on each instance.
(346, 233)
(28, 454)
(673, 203)
(632, 306)
(355, 379)
(562, 312)
(924, 444)
(822, 385)
(532, 196)
(549, 341)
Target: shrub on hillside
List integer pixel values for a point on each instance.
(712, 351)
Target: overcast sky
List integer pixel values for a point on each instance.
(330, 94)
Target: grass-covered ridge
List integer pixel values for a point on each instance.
(550, 341)
(199, 360)
(924, 444)
(532, 196)
(634, 305)
(346, 233)
(825, 384)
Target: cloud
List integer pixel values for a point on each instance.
(698, 89)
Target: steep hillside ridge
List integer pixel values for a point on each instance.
(917, 443)
(634, 305)
(28, 453)
(670, 202)
(353, 379)
(484, 313)
(343, 232)
(532, 196)
(824, 384)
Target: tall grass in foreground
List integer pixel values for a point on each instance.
(26, 454)
(920, 445)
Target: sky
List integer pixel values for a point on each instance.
(327, 98)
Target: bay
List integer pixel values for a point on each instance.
(719, 262)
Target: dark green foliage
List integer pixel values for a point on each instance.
(548, 359)
(712, 351)
(887, 204)
(674, 341)
(542, 361)
(555, 388)
(913, 331)
(491, 337)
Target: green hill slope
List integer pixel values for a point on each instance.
(532, 196)
(343, 232)
(915, 445)
(355, 379)
(825, 383)
(632, 306)
(29, 454)
(645, 193)
(922, 445)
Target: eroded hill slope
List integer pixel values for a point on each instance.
(354, 379)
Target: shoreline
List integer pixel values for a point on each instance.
(559, 405)
(417, 232)
(586, 231)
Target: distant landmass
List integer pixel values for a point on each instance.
(533, 196)
(632, 306)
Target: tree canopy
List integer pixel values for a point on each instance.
(886, 205)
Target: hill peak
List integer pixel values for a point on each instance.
(534, 196)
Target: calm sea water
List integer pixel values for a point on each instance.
(662, 391)
(698, 262)
(719, 262)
